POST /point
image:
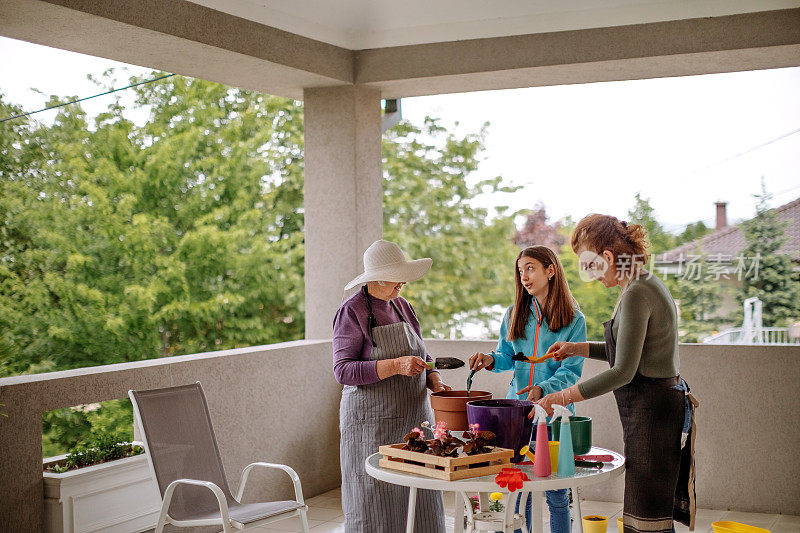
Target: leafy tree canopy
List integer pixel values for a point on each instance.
(775, 283)
(692, 232)
(428, 211)
(123, 243)
(643, 213)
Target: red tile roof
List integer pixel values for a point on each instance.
(730, 241)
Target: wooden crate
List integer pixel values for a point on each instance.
(447, 468)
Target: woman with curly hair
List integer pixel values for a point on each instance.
(641, 347)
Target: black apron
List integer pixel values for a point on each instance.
(652, 414)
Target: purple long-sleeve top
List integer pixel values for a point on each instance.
(351, 342)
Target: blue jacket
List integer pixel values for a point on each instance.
(550, 375)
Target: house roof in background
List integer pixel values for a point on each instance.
(730, 241)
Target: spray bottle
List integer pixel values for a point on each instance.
(541, 462)
(566, 458)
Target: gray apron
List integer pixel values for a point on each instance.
(383, 413)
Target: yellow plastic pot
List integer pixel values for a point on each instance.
(736, 527)
(619, 525)
(594, 524)
(554, 456)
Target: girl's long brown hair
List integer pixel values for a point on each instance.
(560, 307)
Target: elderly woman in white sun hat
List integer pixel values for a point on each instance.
(379, 357)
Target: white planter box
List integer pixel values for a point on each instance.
(119, 496)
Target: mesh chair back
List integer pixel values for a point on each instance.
(181, 443)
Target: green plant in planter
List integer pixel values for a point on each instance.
(102, 448)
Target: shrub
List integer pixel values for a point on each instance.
(100, 449)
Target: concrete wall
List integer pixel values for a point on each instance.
(745, 459)
(276, 403)
(279, 403)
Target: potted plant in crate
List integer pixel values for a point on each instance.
(105, 484)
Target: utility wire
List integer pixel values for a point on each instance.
(745, 152)
(86, 98)
(735, 156)
(680, 227)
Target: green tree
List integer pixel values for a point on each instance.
(692, 232)
(65, 428)
(774, 281)
(643, 213)
(124, 243)
(428, 211)
(699, 295)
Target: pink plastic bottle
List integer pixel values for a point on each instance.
(541, 462)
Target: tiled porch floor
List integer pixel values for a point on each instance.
(325, 516)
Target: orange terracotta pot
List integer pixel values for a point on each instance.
(451, 407)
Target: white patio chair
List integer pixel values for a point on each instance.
(185, 462)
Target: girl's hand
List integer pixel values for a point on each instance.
(480, 360)
(535, 392)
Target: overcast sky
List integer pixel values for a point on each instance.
(577, 148)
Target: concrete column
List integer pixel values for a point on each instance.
(343, 194)
(21, 485)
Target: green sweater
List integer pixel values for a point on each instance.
(646, 332)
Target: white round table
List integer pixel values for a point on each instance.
(486, 484)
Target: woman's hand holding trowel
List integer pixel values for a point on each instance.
(561, 350)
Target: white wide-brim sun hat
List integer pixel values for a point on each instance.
(385, 261)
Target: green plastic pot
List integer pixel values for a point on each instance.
(581, 433)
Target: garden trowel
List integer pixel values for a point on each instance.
(519, 356)
(445, 363)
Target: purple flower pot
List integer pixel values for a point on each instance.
(508, 419)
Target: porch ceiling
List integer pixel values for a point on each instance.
(414, 48)
(360, 24)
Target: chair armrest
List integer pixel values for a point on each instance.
(213, 487)
(298, 489)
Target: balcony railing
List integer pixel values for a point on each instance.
(779, 336)
(279, 403)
